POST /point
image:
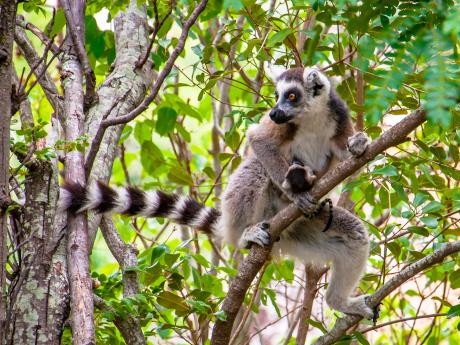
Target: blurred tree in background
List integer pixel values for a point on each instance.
(159, 94)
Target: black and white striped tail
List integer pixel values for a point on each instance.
(101, 198)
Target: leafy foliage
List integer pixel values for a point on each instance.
(192, 138)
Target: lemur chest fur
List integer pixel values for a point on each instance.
(311, 144)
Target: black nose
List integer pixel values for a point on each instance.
(278, 116)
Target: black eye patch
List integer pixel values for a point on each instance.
(292, 91)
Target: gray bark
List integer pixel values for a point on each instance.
(125, 82)
(7, 22)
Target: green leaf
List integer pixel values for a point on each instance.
(432, 207)
(317, 325)
(233, 4)
(419, 231)
(59, 22)
(454, 278)
(387, 170)
(280, 36)
(179, 175)
(429, 222)
(454, 311)
(170, 300)
(166, 120)
(360, 337)
(158, 252)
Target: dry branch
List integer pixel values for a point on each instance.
(258, 255)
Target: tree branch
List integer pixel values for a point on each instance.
(164, 72)
(157, 26)
(7, 23)
(76, 28)
(32, 58)
(312, 274)
(126, 324)
(126, 256)
(258, 255)
(344, 323)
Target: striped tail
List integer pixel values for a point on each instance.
(101, 198)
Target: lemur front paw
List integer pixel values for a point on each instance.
(255, 234)
(299, 178)
(358, 143)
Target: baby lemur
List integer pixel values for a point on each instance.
(295, 143)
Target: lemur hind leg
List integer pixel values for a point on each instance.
(345, 245)
(348, 249)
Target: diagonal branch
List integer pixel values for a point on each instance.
(157, 26)
(164, 72)
(344, 323)
(258, 255)
(33, 59)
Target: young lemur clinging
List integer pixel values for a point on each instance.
(294, 144)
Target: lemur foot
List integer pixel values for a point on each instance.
(376, 311)
(358, 306)
(299, 178)
(305, 203)
(358, 143)
(257, 234)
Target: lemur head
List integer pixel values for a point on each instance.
(298, 92)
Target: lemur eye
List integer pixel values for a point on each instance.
(292, 97)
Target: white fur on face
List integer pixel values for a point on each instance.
(274, 71)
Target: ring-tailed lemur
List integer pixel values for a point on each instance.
(293, 145)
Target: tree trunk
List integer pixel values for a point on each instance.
(7, 24)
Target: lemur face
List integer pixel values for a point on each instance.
(298, 90)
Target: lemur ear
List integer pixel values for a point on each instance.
(273, 71)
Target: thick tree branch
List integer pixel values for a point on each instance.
(76, 28)
(7, 23)
(82, 320)
(343, 324)
(258, 255)
(125, 87)
(164, 72)
(126, 256)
